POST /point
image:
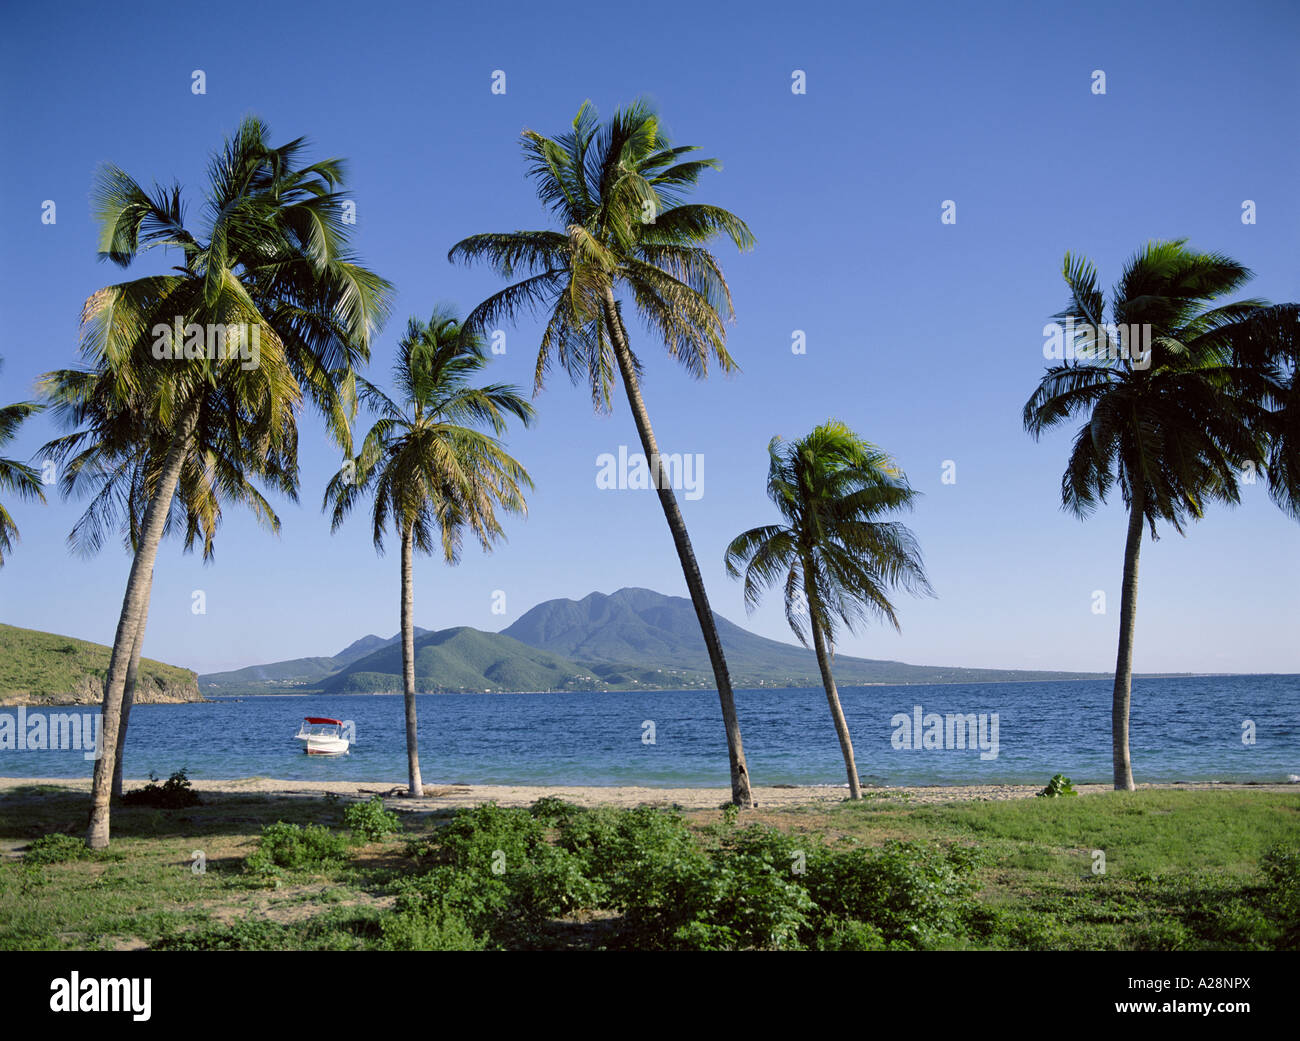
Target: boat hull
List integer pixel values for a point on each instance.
(325, 745)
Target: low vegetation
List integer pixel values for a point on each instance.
(46, 667)
(1178, 870)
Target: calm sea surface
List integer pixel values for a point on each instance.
(1182, 730)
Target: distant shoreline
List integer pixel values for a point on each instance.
(9, 701)
(1091, 678)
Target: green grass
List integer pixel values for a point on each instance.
(41, 665)
(1184, 869)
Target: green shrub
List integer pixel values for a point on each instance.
(916, 895)
(479, 837)
(674, 894)
(445, 931)
(57, 848)
(552, 810)
(734, 888)
(175, 793)
(445, 891)
(495, 871)
(1058, 786)
(295, 847)
(370, 820)
(850, 935)
(1281, 870)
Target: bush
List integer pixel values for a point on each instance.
(674, 894)
(173, 794)
(1058, 786)
(370, 820)
(495, 871)
(445, 891)
(57, 848)
(296, 846)
(552, 810)
(1281, 870)
(445, 931)
(737, 888)
(916, 895)
(850, 935)
(486, 835)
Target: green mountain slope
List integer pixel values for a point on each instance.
(635, 633)
(40, 667)
(463, 659)
(634, 639)
(296, 674)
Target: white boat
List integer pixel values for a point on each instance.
(322, 736)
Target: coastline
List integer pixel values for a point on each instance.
(454, 796)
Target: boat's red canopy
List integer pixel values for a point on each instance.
(323, 719)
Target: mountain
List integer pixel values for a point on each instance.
(634, 639)
(655, 640)
(47, 669)
(463, 659)
(296, 674)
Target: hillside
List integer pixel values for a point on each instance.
(634, 639)
(634, 633)
(45, 668)
(463, 659)
(295, 674)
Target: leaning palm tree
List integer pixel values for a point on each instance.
(114, 460)
(15, 477)
(268, 308)
(616, 193)
(431, 474)
(1163, 409)
(838, 560)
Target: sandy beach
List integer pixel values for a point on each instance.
(452, 796)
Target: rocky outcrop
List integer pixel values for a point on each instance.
(89, 690)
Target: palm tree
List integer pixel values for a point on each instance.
(433, 476)
(15, 477)
(273, 275)
(1169, 424)
(616, 195)
(839, 562)
(115, 461)
(1266, 346)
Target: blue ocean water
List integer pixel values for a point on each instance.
(1183, 729)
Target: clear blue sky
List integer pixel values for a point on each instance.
(925, 338)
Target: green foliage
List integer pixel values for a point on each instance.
(495, 871)
(297, 846)
(43, 664)
(915, 894)
(342, 929)
(173, 794)
(1281, 870)
(552, 810)
(838, 556)
(445, 931)
(1057, 787)
(1208, 870)
(57, 848)
(850, 935)
(758, 887)
(370, 820)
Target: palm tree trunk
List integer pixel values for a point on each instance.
(408, 663)
(741, 793)
(832, 695)
(130, 622)
(1123, 695)
(128, 695)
